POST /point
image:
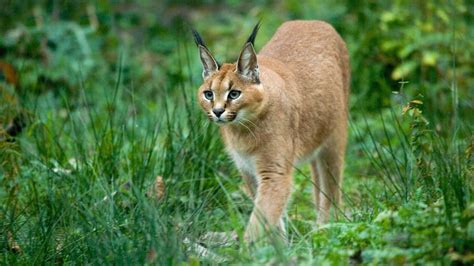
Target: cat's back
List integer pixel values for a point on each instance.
(295, 40)
(312, 60)
(311, 48)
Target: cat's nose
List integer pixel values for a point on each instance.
(218, 111)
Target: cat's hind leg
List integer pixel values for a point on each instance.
(316, 185)
(330, 164)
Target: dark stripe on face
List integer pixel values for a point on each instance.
(216, 82)
(211, 85)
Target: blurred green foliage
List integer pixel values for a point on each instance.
(426, 44)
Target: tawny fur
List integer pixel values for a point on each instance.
(295, 112)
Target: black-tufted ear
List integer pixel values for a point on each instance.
(209, 64)
(247, 65)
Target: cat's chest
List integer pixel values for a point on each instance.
(245, 162)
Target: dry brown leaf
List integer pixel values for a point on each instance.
(12, 244)
(151, 255)
(157, 191)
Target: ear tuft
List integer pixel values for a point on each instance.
(198, 39)
(253, 35)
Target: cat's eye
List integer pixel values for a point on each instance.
(208, 95)
(234, 94)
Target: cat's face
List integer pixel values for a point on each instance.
(231, 93)
(227, 97)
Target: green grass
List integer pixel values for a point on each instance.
(78, 194)
(74, 184)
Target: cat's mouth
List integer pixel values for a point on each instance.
(229, 118)
(224, 120)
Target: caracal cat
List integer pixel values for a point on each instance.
(285, 106)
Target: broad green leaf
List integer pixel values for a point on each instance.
(404, 70)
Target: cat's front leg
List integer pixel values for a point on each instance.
(273, 192)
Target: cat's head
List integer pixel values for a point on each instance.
(230, 93)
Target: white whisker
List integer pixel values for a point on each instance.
(246, 120)
(255, 137)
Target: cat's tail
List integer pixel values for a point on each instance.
(345, 65)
